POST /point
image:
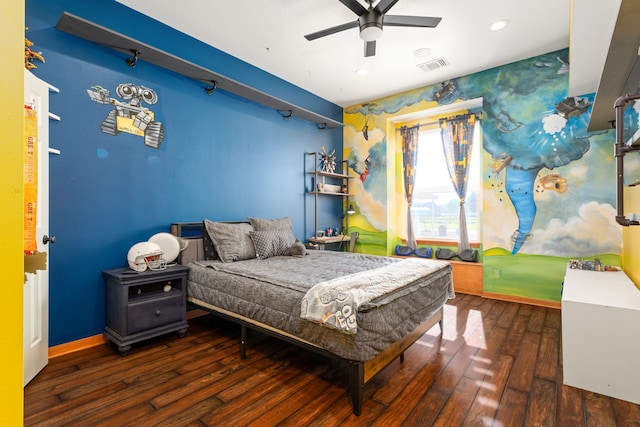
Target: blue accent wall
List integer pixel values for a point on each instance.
(223, 157)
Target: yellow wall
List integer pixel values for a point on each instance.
(631, 236)
(11, 273)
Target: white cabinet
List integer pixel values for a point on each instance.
(601, 333)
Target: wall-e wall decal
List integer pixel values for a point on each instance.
(131, 117)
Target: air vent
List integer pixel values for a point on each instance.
(433, 65)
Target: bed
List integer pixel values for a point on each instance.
(364, 310)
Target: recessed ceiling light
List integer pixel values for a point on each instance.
(362, 71)
(499, 25)
(422, 52)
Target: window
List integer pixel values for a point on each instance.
(436, 208)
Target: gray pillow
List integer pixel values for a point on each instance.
(232, 241)
(270, 243)
(207, 245)
(297, 249)
(262, 224)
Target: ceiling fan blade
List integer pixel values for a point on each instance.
(411, 21)
(384, 5)
(355, 7)
(369, 48)
(331, 30)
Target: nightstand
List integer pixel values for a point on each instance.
(144, 305)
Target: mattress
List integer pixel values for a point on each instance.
(270, 291)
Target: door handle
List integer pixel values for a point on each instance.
(46, 239)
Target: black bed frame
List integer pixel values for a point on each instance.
(359, 372)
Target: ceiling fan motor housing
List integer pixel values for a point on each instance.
(370, 25)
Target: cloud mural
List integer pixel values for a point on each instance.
(593, 230)
(368, 160)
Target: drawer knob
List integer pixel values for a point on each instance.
(157, 312)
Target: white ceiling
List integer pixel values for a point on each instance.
(269, 34)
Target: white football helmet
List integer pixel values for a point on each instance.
(145, 255)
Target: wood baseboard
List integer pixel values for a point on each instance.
(70, 347)
(96, 340)
(522, 300)
(467, 279)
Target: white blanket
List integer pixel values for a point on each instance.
(335, 303)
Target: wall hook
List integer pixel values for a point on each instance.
(285, 113)
(132, 61)
(210, 90)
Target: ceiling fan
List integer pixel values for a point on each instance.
(371, 21)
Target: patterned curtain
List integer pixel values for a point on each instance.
(409, 160)
(457, 141)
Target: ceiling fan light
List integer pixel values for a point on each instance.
(371, 32)
(423, 52)
(499, 25)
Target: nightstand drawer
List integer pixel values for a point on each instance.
(145, 315)
(144, 305)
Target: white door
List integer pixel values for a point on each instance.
(36, 287)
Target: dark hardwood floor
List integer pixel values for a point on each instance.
(497, 364)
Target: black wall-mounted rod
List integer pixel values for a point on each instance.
(621, 148)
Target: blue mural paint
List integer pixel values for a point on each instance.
(102, 153)
(547, 143)
(519, 186)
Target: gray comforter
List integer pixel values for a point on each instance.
(270, 291)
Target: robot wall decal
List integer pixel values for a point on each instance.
(131, 117)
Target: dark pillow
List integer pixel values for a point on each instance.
(207, 244)
(297, 249)
(231, 240)
(262, 224)
(270, 243)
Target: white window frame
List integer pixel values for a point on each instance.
(432, 115)
(440, 230)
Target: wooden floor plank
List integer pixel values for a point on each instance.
(497, 363)
(598, 410)
(486, 401)
(537, 319)
(525, 362)
(511, 345)
(627, 413)
(432, 402)
(541, 412)
(456, 407)
(570, 409)
(547, 363)
(304, 416)
(511, 411)
(411, 396)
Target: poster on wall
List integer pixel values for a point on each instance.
(129, 114)
(30, 179)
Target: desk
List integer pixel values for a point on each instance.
(340, 240)
(601, 333)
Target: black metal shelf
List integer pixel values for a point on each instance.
(98, 34)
